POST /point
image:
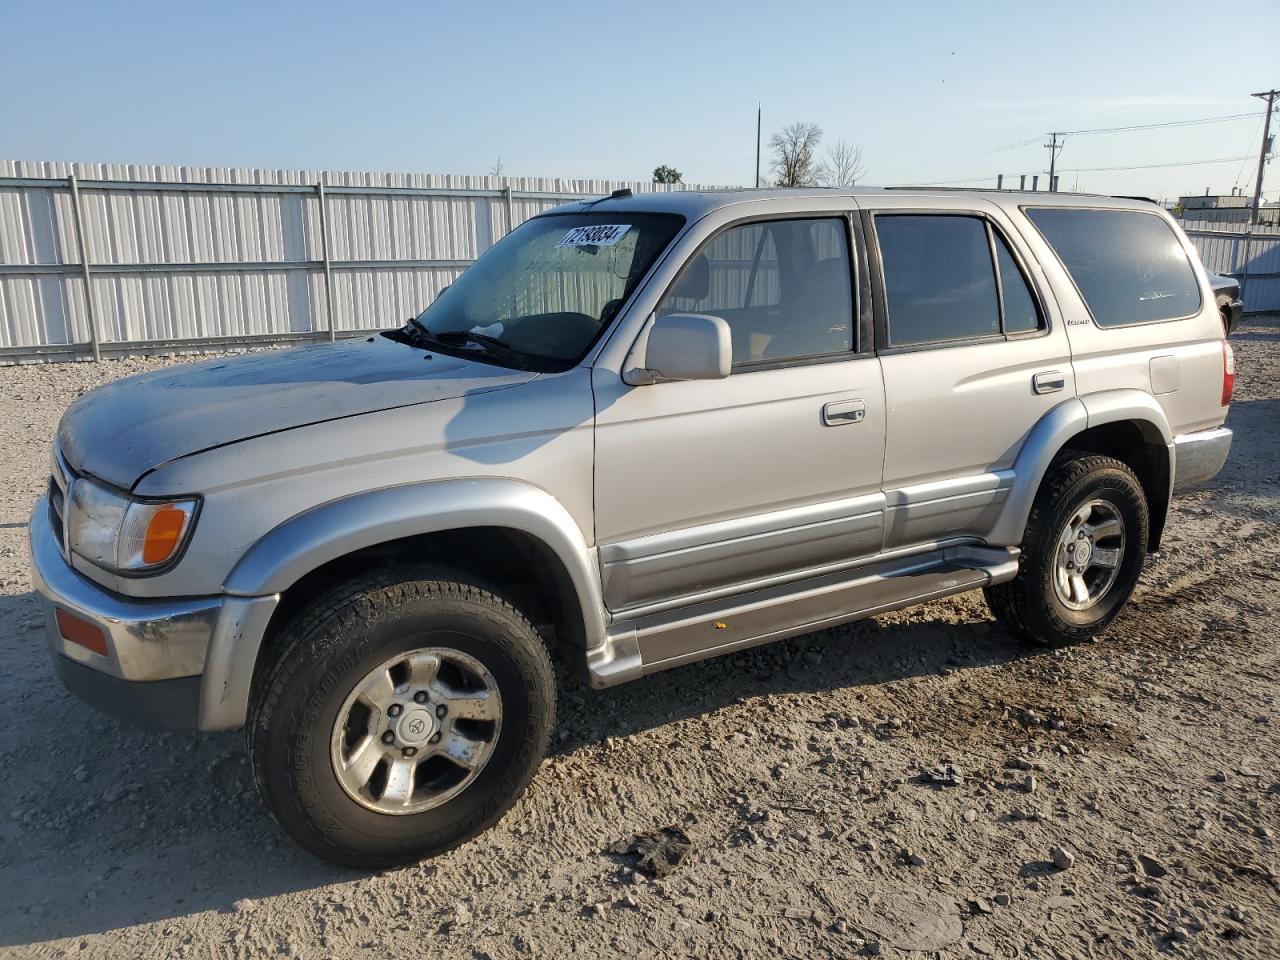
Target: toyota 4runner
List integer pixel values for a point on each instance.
(648, 430)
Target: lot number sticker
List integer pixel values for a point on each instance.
(599, 235)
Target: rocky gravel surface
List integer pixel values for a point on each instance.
(916, 785)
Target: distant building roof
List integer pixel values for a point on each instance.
(1213, 202)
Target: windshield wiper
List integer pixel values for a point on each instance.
(487, 344)
(413, 333)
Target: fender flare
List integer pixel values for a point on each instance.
(1110, 406)
(331, 530)
(1052, 432)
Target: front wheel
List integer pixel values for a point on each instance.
(400, 717)
(1082, 552)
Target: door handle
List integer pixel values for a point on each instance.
(1050, 381)
(839, 412)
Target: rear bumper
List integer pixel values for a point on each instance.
(169, 664)
(1199, 456)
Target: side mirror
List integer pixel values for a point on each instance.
(685, 346)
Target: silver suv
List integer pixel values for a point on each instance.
(645, 430)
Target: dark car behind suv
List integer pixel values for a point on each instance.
(1226, 291)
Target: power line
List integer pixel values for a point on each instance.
(1152, 166)
(1157, 126)
(1257, 131)
(969, 156)
(1056, 147)
(1140, 166)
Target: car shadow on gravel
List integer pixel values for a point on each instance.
(866, 653)
(124, 827)
(104, 826)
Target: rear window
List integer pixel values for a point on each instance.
(1128, 265)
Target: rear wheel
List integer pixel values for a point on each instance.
(400, 717)
(1082, 552)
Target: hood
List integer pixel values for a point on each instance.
(120, 431)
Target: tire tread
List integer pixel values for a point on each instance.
(1017, 603)
(314, 631)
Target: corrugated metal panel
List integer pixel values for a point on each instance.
(240, 264)
(1253, 258)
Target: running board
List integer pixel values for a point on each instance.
(636, 648)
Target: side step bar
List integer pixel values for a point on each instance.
(639, 647)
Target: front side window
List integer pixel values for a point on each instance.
(542, 294)
(784, 287)
(1128, 265)
(951, 278)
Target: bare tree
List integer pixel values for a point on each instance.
(665, 174)
(496, 169)
(793, 153)
(841, 166)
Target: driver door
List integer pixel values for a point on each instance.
(709, 487)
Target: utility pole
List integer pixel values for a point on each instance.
(1270, 96)
(1053, 147)
(757, 183)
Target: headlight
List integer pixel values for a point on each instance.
(126, 535)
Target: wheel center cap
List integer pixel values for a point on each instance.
(415, 727)
(1084, 550)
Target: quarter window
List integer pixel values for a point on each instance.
(1021, 314)
(1128, 265)
(783, 287)
(943, 283)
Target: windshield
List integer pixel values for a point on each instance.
(548, 288)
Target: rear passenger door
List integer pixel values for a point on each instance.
(972, 357)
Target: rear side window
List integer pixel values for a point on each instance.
(1128, 265)
(951, 278)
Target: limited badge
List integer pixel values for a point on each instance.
(598, 235)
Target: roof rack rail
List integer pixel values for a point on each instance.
(1040, 193)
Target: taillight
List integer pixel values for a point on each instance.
(1228, 373)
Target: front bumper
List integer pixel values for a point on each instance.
(169, 664)
(1197, 457)
(154, 704)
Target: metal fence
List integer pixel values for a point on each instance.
(108, 259)
(114, 259)
(1251, 255)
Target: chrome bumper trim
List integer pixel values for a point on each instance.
(1199, 456)
(213, 641)
(148, 639)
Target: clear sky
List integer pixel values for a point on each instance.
(930, 91)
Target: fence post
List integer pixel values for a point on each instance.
(511, 208)
(328, 274)
(1242, 251)
(84, 268)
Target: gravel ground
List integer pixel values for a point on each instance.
(892, 786)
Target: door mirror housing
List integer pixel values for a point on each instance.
(685, 346)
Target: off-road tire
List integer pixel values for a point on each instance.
(314, 664)
(1029, 605)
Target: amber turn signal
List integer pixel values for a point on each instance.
(164, 532)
